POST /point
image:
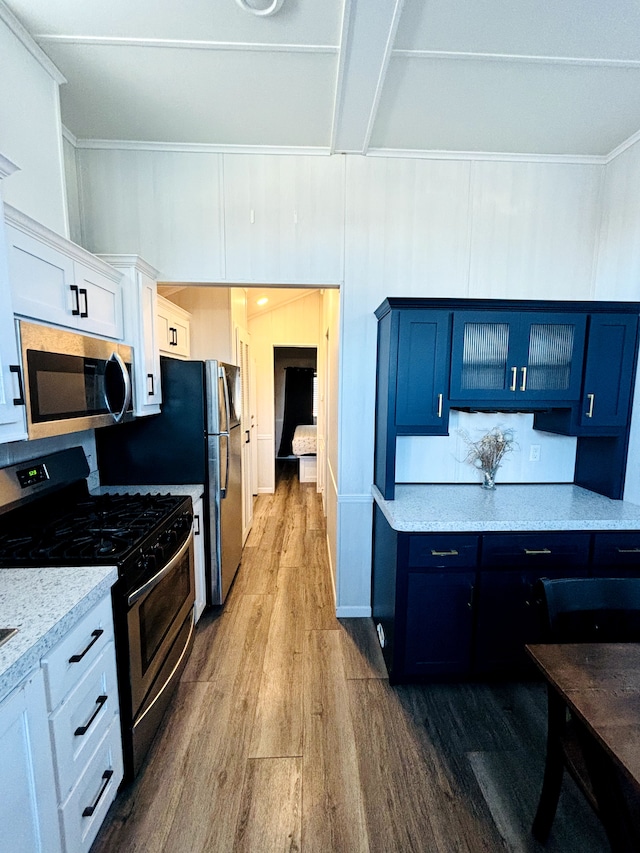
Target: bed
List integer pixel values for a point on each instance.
(304, 440)
(304, 445)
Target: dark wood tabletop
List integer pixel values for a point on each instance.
(600, 682)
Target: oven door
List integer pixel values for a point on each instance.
(72, 381)
(156, 615)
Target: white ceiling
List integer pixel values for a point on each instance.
(531, 77)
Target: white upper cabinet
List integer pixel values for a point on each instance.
(284, 218)
(55, 281)
(174, 329)
(13, 425)
(141, 329)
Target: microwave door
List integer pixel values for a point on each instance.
(117, 387)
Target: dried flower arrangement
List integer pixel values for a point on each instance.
(486, 454)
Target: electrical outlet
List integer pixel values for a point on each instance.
(534, 453)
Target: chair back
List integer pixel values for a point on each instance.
(590, 610)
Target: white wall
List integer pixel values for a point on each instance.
(30, 132)
(296, 323)
(211, 323)
(618, 269)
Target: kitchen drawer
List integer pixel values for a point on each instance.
(67, 662)
(616, 552)
(80, 722)
(86, 806)
(442, 551)
(536, 550)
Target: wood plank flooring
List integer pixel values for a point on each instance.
(285, 735)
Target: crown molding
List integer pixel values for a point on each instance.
(18, 30)
(187, 44)
(198, 147)
(69, 136)
(507, 156)
(514, 57)
(7, 167)
(624, 146)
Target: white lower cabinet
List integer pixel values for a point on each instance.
(84, 726)
(28, 803)
(199, 559)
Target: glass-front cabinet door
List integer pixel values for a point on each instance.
(516, 356)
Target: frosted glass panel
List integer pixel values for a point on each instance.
(550, 352)
(484, 356)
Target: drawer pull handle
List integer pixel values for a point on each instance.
(82, 730)
(514, 378)
(523, 387)
(451, 553)
(531, 551)
(628, 550)
(91, 809)
(96, 635)
(439, 405)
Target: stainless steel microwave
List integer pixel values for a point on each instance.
(73, 382)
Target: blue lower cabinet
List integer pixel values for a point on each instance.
(463, 605)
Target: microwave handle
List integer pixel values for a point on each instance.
(117, 416)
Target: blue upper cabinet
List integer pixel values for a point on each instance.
(516, 358)
(608, 371)
(422, 399)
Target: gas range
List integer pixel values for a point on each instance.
(49, 518)
(46, 521)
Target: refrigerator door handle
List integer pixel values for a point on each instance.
(223, 489)
(227, 406)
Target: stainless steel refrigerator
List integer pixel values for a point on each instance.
(195, 439)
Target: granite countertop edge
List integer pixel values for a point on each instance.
(28, 602)
(461, 508)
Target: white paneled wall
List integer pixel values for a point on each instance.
(165, 206)
(284, 218)
(534, 228)
(30, 134)
(618, 269)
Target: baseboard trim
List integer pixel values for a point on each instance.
(353, 612)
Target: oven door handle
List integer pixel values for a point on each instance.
(164, 571)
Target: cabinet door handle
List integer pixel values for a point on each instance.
(150, 385)
(531, 551)
(450, 553)
(90, 809)
(196, 525)
(471, 594)
(514, 378)
(96, 635)
(174, 336)
(74, 290)
(589, 412)
(82, 730)
(523, 386)
(628, 550)
(19, 400)
(439, 405)
(83, 293)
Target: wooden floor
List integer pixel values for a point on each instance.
(284, 733)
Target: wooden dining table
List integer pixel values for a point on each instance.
(600, 684)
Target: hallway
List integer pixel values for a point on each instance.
(285, 734)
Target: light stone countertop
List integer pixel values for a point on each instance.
(193, 490)
(44, 604)
(469, 508)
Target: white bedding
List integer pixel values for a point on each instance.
(304, 440)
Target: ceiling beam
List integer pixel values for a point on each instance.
(369, 30)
